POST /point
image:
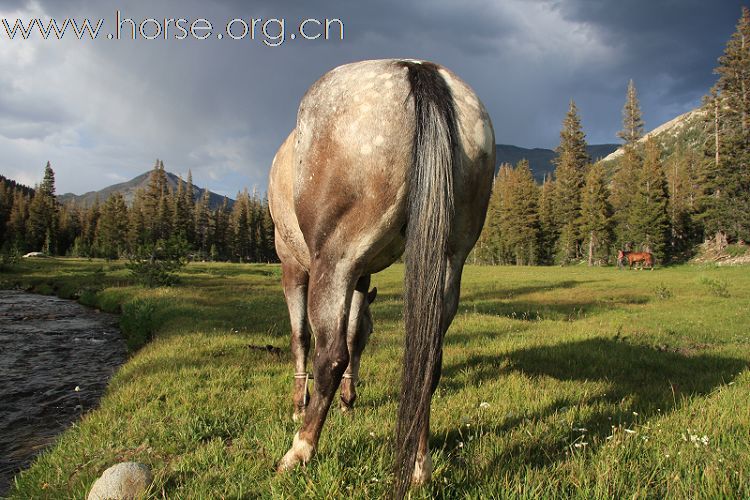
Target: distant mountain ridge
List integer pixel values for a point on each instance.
(540, 159)
(540, 162)
(129, 188)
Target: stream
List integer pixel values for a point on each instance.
(56, 358)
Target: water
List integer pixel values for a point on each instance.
(48, 347)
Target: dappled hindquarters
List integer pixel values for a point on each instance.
(557, 382)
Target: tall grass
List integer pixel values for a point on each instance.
(557, 382)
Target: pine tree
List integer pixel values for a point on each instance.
(179, 210)
(570, 167)
(69, 227)
(154, 209)
(624, 183)
(136, 221)
(520, 216)
(490, 241)
(596, 213)
(649, 216)
(112, 227)
(632, 122)
(164, 217)
(241, 243)
(683, 176)
(547, 223)
(202, 224)
(6, 205)
(88, 236)
(19, 213)
(626, 177)
(221, 237)
(725, 204)
(41, 231)
(189, 207)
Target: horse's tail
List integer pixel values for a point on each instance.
(429, 219)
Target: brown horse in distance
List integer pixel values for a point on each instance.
(387, 157)
(645, 258)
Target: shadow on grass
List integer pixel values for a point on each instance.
(495, 293)
(551, 309)
(653, 382)
(501, 302)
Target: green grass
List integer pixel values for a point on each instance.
(557, 382)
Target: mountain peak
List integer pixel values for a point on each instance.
(129, 188)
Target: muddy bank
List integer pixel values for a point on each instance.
(56, 358)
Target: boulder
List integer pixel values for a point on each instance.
(124, 481)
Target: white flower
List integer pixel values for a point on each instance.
(77, 389)
(484, 404)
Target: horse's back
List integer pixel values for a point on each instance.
(352, 151)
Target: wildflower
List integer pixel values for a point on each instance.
(484, 404)
(77, 389)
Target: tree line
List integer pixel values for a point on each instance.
(653, 200)
(664, 202)
(34, 220)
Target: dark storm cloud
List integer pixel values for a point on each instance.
(222, 108)
(669, 47)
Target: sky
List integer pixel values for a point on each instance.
(102, 111)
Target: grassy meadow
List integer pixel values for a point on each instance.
(557, 382)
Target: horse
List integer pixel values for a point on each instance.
(634, 258)
(388, 157)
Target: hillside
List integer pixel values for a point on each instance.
(540, 159)
(15, 186)
(129, 188)
(688, 129)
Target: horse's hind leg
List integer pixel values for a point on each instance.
(329, 299)
(294, 280)
(423, 464)
(357, 333)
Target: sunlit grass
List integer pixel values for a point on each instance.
(575, 382)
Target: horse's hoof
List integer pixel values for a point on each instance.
(300, 453)
(346, 409)
(422, 470)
